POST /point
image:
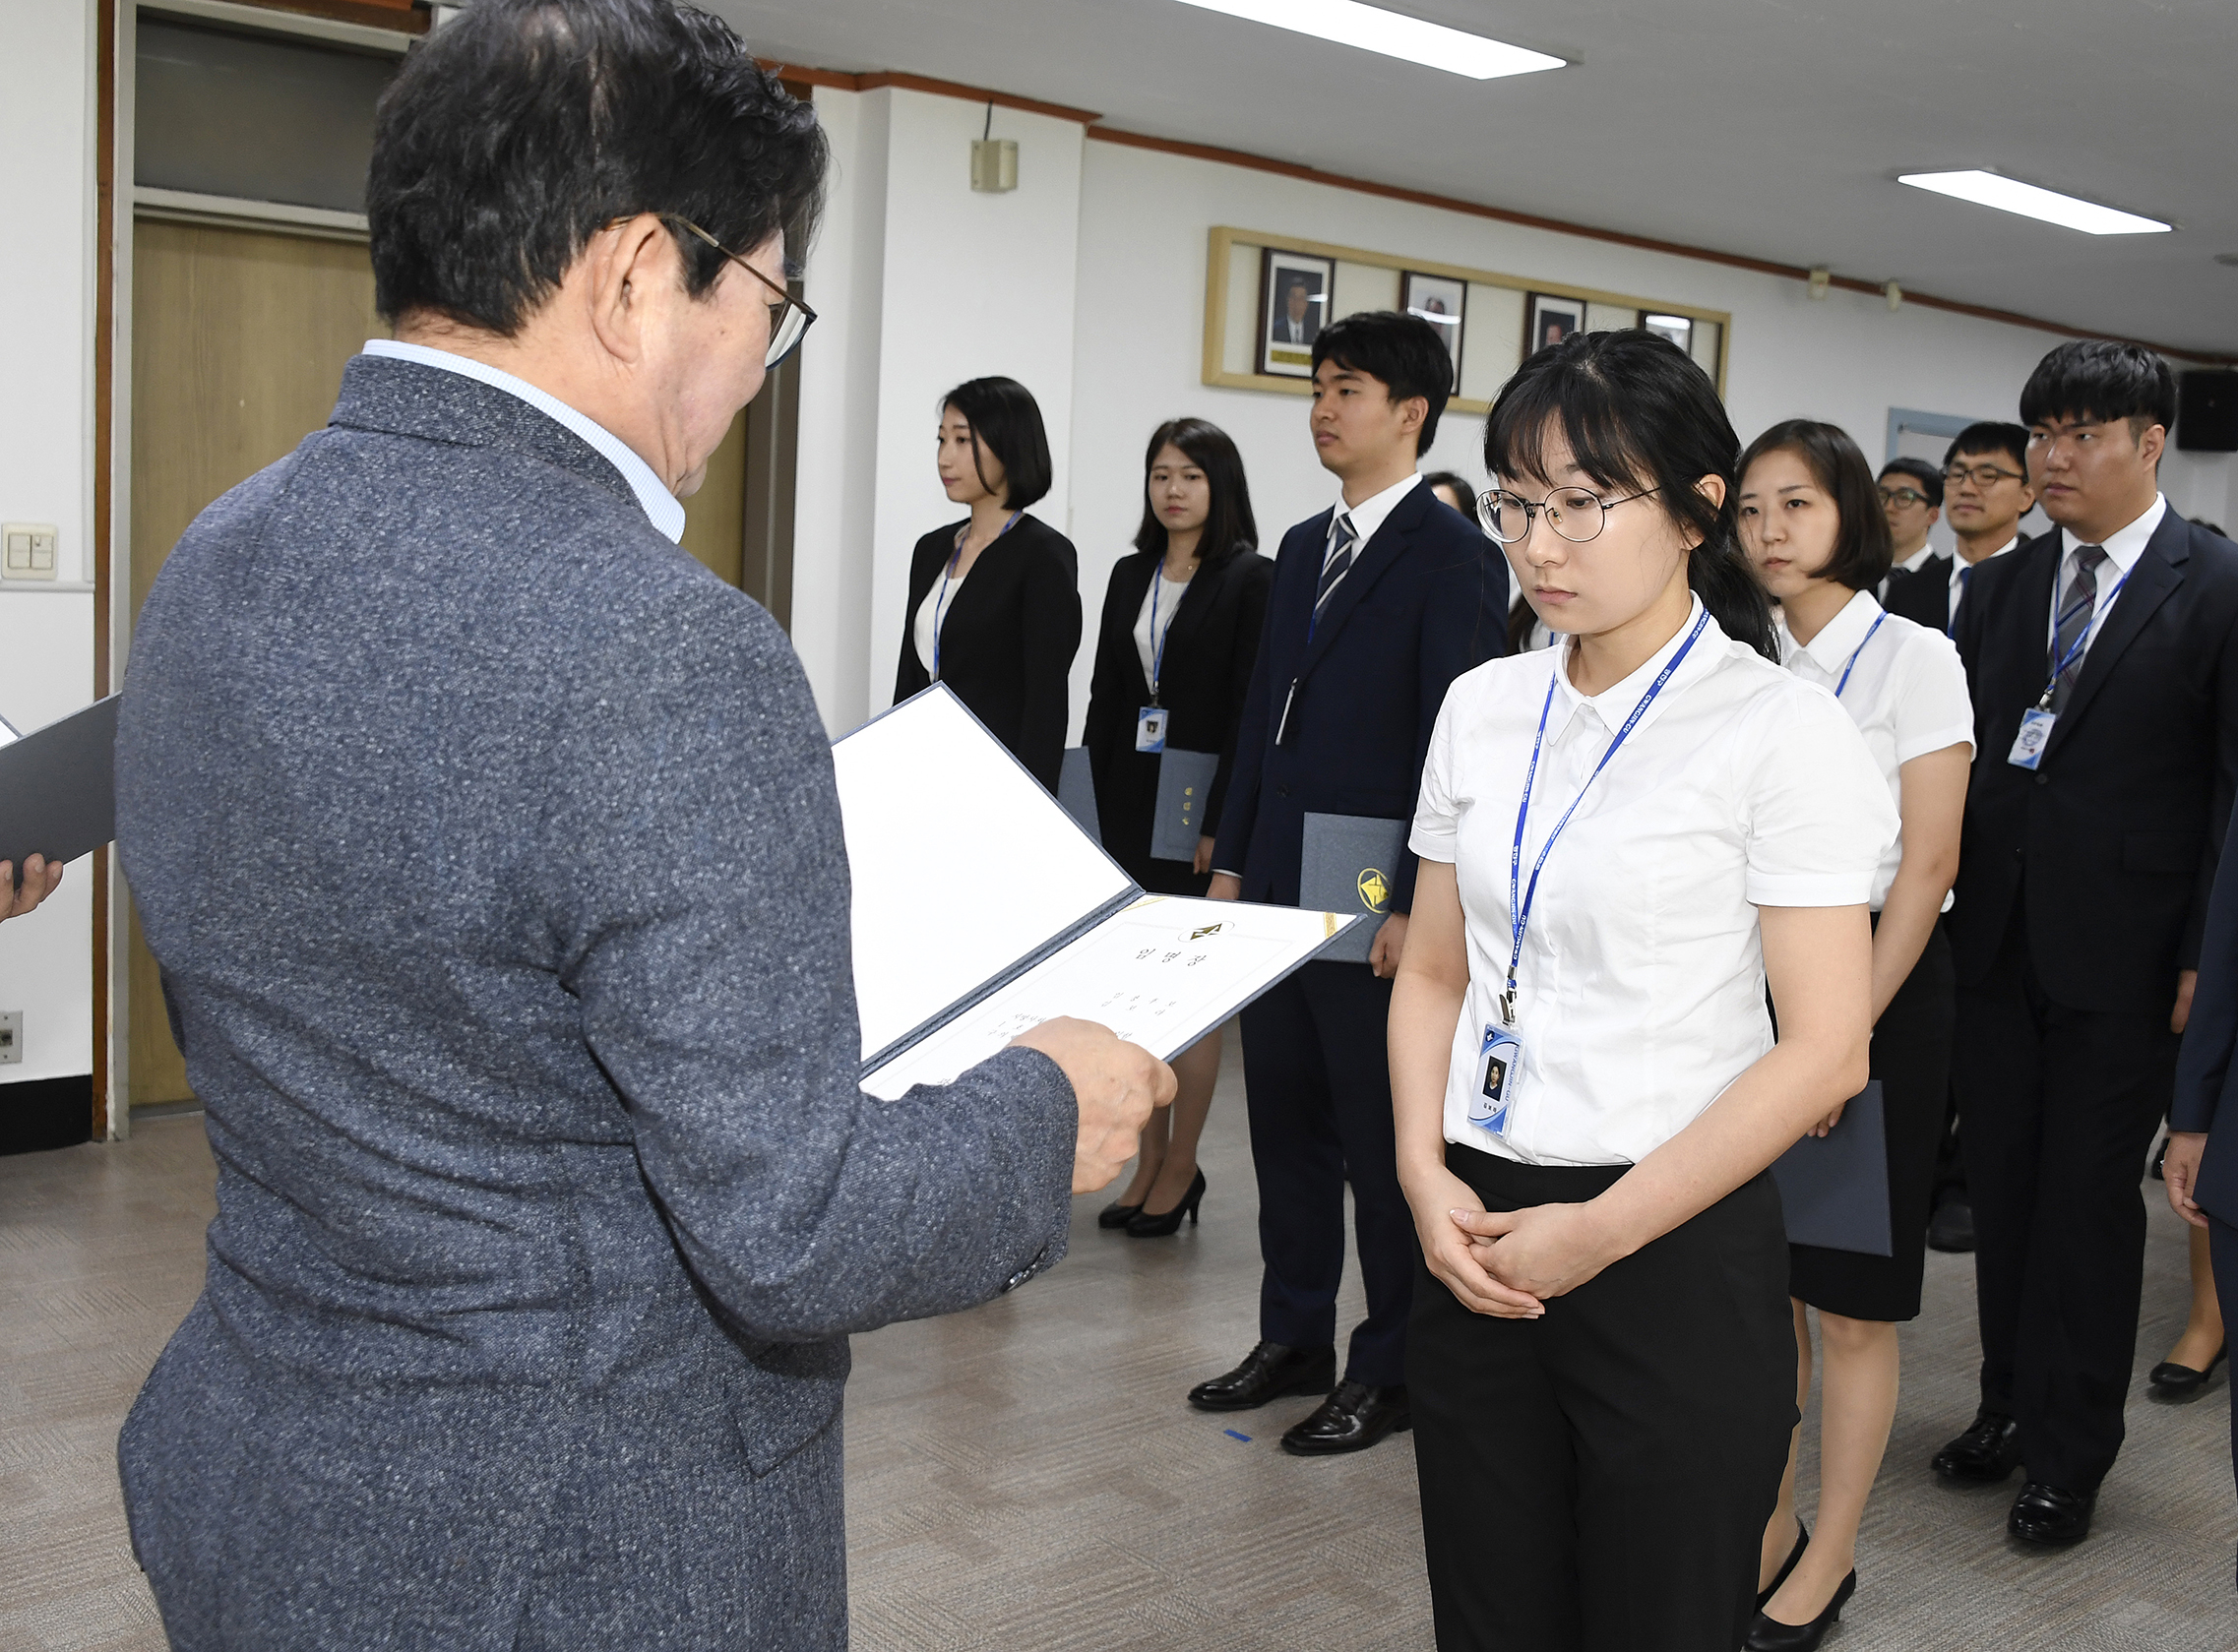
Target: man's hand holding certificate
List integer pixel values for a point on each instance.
(982, 913)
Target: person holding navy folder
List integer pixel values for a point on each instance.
(2104, 662)
(1173, 659)
(1624, 839)
(1820, 543)
(994, 601)
(1378, 604)
(42, 877)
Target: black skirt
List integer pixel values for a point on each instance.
(1911, 1058)
(1126, 799)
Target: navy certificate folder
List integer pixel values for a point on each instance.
(1348, 864)
(1184, 781)
(1835, 1187)
(58, 788)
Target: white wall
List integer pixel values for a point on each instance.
(46, 636)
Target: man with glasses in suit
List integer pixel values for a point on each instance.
(1911, 496)
(2103, 660)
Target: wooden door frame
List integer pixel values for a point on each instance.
(362, 23)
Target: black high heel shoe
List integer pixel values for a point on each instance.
(1802, 1542)
(1147, 1226)
(1117, 1215)
(1769, 1634)
(2171, 1381)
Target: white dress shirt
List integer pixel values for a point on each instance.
(2122, 547)
(1959, 567)
(1907, 693)
(1640, 995)
(1911, 563)
(1368, 516)
(932, 614)
(1169, 593)
(660, 506)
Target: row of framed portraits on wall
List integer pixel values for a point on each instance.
(1297, 289)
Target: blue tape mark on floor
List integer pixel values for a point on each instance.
(1233, 1435)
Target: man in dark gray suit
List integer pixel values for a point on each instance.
(491, 852)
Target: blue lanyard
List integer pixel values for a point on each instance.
(946, 574)
(1157, 642)
(1519, 913)
(1852, 666)
(2075, 649)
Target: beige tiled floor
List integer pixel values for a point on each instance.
(1026, 1477)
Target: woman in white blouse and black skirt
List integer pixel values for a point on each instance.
(1811, 523)
(1623, 838)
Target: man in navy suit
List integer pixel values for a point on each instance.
(2103, 659)
(1379, 603)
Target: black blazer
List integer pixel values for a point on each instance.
(1923, 596)
(2204, 1079)
(1006, 637)
(2113, 839)
(1203, 682)
(1426, 600)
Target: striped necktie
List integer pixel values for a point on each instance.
(1344, 543)
(2077, 605)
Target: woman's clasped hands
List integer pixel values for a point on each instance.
(1507, 1264)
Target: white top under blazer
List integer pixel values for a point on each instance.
(1906, 693)
(1641, 991)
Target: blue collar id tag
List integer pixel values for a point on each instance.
(1150, 728)
(2028, 745)
(1498, 1069)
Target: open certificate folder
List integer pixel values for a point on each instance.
(981, 910)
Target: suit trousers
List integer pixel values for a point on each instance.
(2060, 1107)
(2222, 1246)
(1316, 1079)
(1598, 1479)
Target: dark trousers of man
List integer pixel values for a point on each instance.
(2222, 1247)
(2060, 1105)
(1598, 1479)
(1318, 1082)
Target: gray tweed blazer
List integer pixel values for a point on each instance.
(489, 848)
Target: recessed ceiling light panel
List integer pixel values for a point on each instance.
(2009, 195)
(1393, 34)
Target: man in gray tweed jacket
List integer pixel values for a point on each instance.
(490, 851)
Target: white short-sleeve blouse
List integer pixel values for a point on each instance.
(1641, 991)
(1902, 686)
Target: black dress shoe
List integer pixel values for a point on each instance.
(1117, 1215)
(1952, 1227)
(1802, 1542)
(1352, 1419)
(1987, 1453)
(1268, 1372)
(1769, 1634)
(1147, 1226)
(2047, 1515)
(2171, 1381)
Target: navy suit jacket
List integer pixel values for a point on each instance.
(2112, 840)
(491, 848)
(2204, 1071)
(1426, 601)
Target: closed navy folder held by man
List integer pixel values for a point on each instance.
(58, 788)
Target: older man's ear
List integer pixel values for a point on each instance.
(42, 877)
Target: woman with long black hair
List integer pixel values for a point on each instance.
(1180, 632)
(1624, 839)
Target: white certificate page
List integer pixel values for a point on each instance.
(1162, 973)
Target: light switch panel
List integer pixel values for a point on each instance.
(29, 551)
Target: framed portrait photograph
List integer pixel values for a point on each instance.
(1293, 307)
(1548, 319)
(1679, 330)
(1438, 300)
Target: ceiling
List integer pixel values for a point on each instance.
(1768, 128)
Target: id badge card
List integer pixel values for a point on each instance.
(1498, 1063)
(2028, 745)
(1150, 728)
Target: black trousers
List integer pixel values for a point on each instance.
(2060, 1106)
(1317, 1078)
(1598, 1479)
(2222, 1247)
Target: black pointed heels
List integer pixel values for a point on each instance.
(1147, 1226)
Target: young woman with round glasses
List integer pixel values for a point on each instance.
(1623, 838)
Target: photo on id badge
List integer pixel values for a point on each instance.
(1499, 1055)
(1150, 729)
(2028, 745)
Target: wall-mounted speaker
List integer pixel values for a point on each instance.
(2206, 411)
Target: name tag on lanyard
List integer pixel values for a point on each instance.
(2038, 721)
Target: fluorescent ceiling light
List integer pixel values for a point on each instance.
(1372, 28)
(2009, 195)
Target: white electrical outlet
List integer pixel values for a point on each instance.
(11, 1036)
(29, 551)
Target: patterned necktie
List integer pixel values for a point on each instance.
(2076, 605)
(1344, 542)
(1965, 579)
